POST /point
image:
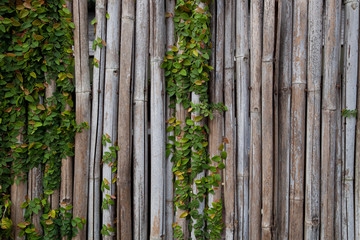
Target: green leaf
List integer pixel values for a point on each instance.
(183, 72)
(223, 155)
(221, 165)
(216, 158)
(66, 10)
(107, 15)
(93, 21)
(198, 118)
(29, 98)
(33, 74)
(189, 122)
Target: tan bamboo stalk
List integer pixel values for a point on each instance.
(140, 219)
(357, 164)
(285, 22)
(242, 115)
(298, 114)
(82, 89)
(216, 125)
(314, 68)
(267, 118)
(157, 118)
(256, 19)
(350, 90)
(94, 218)
(111, 102)
(230, 129)
(124, 203)
(18, 196)
(169, 187)
(329, 107)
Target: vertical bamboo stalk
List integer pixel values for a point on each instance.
(298, 114)
(169, 207)
(357, 164)
(350, 90)
(256, 19)
(267, 118)
(82, 89)
(157, 117)
(111, 101)
(314, 68)
(329, 107)
(242, 115)
(18, 196)
(285, 56)
(140, 220)
(96, 125)
(230, 129)
(124, 206)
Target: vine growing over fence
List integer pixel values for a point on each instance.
(187, 72)
(35, 49)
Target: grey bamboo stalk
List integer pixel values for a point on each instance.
(230, 129)
(329, 107)
(140, 219)
(242, 111)
(350, 91)
(124, 203)
(169, 208)
(256, 20)
(216, 125)
(111, 101)
(96, 124)
(267, 118)
(157, 119)
(18, 196)
(357, 165)
(298, 114)
(314, 68)
(284, 118)
(82, 89)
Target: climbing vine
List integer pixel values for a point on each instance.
(187, 71)
(36, 49)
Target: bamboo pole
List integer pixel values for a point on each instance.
(350, 90)
(357, 164)
(256, 19)
(267, 118)
(329, 107)
(169, 207)
(94, 217)
(111, 102)
(285, 69)
(314, 68)
(242, 115)
(82, 89)
(229, 120)
(298, 114)
(124, 203)
(157, 118)
(140, 219)
(18, 196)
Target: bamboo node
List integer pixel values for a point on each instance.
(156, 60)
(350, 1)
(128, 17)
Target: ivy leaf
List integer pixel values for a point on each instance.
(221, 166)
(38, 37)
(33, 74)
(189, 122)
(66, 10)
(198, 118)
(216, 158)
(107, 15)
(223, 155)
(184, 214)
(93, 21)
(29, 98)
(183, 72)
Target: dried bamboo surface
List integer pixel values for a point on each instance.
(83, 113)
(312, 175)
(97, 112)
(124, 203)
(256, 20)
(140, 150)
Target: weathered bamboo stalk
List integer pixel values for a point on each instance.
(283, 174)
(298, 114)
(94, 217)
(124, 203)
(350, 91)
(314, 68)
(242, 115)
(111, 102)
(82, 89)
(18, 196)
(140, 219)
(329, 107)
(229, 120)
(267, 118)
(357, 163)
(256, 20)
(157, 117)
(169, 207)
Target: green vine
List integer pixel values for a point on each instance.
(187, 71)
(36, 48)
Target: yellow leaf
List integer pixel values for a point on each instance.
(174, 49)
(184, 214)
(33, 74)
(38, 37)
(171, 120)
(198, 82)
(49, 222)
(190, 109)
(40, 107)
(106, 181)
(195, 53)
(212, 216)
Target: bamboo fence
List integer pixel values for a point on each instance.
(291, 130)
